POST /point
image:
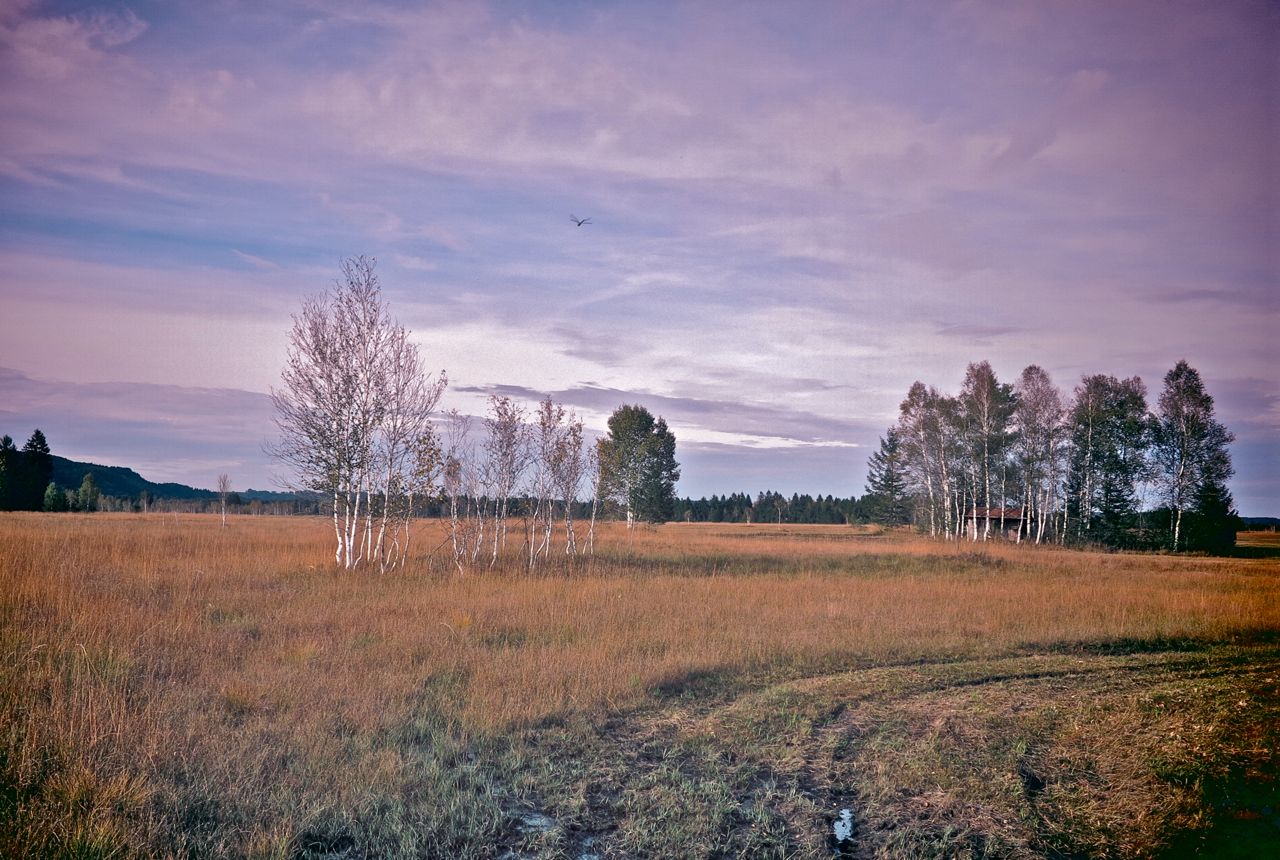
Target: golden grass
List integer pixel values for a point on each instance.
(168, 682)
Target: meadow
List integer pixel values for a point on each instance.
(174, 688)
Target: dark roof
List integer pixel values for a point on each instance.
(995, 513)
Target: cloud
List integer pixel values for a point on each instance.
(166, 432)
(255, 261)
(747, 423)
(793, 216)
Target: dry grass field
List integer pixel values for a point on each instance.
(172, 688)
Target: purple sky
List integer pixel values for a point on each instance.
(797, 210)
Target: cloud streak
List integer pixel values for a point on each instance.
(793, 216)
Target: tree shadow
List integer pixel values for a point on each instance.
(1245, 820)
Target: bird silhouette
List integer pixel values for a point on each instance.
(579, 221)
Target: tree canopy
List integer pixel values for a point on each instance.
(638, 467)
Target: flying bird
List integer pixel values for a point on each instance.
(579, 221)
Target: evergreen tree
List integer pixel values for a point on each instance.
(887, 482)
(10, 460)
(1212, 523)
(37, 471)
(638, 467)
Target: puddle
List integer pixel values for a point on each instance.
(535, 822)
(842, 831)
(531, 823)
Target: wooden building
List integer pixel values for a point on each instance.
(1005, 522)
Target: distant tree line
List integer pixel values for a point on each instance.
(26, 481)
(773, 507)
(1020, 458)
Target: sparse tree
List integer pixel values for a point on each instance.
(224, 490)
(571, 465)
(407, 455)
(915, 413)
(461, 488)
(352, 403)
(547, 451)
(506, 458)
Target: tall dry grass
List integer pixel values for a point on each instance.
(176, 687)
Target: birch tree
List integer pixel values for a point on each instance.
(1037, 421)
(916, 428)
(506, 458)
(572, 464)
(986, 406)
(1109, 436)
(638, 468)
(545, 440)
(1190, 446)
(224, 490)
(352, 412)
(407, 456)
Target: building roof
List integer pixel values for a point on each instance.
(994, 513)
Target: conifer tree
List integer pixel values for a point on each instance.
(33, 473)
(887, 482)
(10, 459)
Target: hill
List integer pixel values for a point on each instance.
(123, 482)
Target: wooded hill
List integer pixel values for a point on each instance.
(125, 483)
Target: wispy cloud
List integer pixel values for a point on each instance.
(793, 216)
(166, 432)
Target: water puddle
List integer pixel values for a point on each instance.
(535, 822)
(842, 831)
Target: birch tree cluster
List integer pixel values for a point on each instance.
(1021, 457)
(512, 481)
(354, 413)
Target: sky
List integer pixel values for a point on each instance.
(796, 211)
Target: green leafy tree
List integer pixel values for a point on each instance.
(1110, 432)
(1191, 458)
(55, 498)
(888, 496)
(87, 496)
(638, 467)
